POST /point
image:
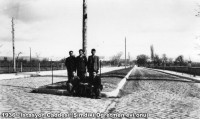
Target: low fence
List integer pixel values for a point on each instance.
(28, 68)
(7, 67)
(183, 69)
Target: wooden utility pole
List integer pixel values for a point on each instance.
(21, 67)
(17, 62)
(152, 53)
(100, 68)
(52, 70)
(30, 61)
(128, 58)
(84, 29)
(30, 54)
(13, 44)
(125, 52)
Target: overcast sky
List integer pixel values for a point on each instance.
(53, 27)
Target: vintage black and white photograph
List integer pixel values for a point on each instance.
(106, 59)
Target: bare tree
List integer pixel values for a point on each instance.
(18, 58)
(102, 57)
(115, 60)
(164, 58)
(38, 60)
(179, 60)
(37, 55)
(157, 60)
(142, 59)
(170, 61)
(152, 52)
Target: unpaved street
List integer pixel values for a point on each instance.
(15, 97)
(153, 94)
(159, 95)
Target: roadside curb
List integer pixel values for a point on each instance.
(51, 91)
(15, 77)
(190, 78)
(21, 75)
(115, 92)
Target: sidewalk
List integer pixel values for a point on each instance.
(43, 73)
(182, 75)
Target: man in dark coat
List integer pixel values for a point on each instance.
(81, 64)
(85, 88)
(73, 86)
(70, 63)
(96, 85)
(93, 63)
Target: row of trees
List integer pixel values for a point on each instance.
(115, 60)
(144, 60)
(155, 60)
(34, 61)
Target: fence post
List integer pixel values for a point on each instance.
(52, 71)
(100, 68)
(194, 72)
(61, 66)
(21, 67)
(30, 67)
(9, 67)
(39, 67)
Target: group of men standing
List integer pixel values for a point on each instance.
(81, 65)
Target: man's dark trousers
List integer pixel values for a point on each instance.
(76, 85)
(70, 75)
(96, 82)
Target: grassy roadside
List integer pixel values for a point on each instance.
(117, 73)
(110, 80)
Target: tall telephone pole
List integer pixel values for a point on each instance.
(13, 44)
(125, 52)
(152, 52)
(84, 29)
(30, 54)
(30, 60)
(129, 58)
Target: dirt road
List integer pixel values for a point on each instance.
(17, 101)
(146, 93)
(159, 95)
